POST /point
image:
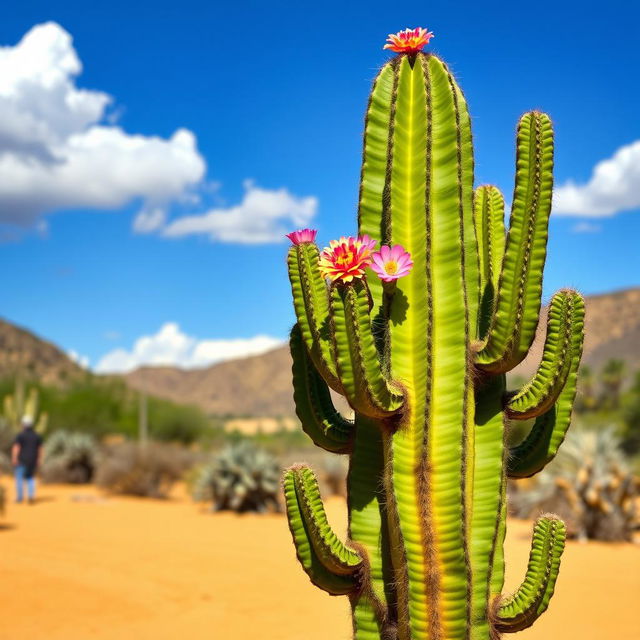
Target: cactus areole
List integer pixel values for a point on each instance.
(422, 361)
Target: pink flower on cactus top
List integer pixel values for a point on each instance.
(303, 235)
(391, 263)
(347, 258)
(409, 40)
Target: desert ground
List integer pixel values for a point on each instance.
(79, 565)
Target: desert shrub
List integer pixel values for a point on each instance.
(240, 478)
(149, 471)
(171, 422)
(69, 457)
(589, 486)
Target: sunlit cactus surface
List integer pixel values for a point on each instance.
(416, 321)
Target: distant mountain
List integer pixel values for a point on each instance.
(261, 385)
(23, 353)
(253, 386)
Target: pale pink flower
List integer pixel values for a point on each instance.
(391, 263)
(302, 235)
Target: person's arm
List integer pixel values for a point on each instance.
(15, 452)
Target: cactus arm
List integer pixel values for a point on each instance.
(560, 358)
(333, 583)
(488, 218)
(334, 555)
(515, 319)
(549, 429)
(543, 441)
(531, 600)
(362, 379)
(311, 304)
(320, 420)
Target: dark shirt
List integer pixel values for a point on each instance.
(29, 442)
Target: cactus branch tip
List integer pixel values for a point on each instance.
(302, 235)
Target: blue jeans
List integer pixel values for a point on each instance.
(20, 473)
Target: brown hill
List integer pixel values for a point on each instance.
(261, 385)
(254, 386)
(23, 353)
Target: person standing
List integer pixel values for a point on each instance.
(26, 455)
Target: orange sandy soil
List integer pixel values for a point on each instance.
(81, 566)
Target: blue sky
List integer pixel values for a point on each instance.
(268, 102)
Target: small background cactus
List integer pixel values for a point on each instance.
(239, 478)
(24, 402)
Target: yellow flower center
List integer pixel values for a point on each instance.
(391, 267)
(344, 260)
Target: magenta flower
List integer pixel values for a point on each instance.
(302, 235)
(391, 263)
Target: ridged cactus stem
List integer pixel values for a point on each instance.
(422, 361)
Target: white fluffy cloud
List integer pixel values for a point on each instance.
(614, 186)
(171, 346)
(262, 217)
(58, 150)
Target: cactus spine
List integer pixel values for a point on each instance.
(423, 363)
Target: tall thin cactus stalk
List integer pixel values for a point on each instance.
(422, 361)
(24, 404)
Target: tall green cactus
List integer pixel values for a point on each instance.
(422, 361)
(21, 404)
